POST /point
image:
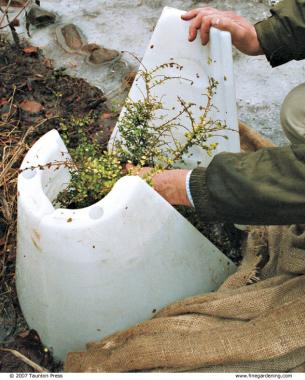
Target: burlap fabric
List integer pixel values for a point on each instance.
(254, 322)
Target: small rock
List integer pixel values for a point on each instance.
(103, 55)
(71, 38)
(40, 17)
(89, 48)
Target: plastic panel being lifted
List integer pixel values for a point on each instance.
(169, 44)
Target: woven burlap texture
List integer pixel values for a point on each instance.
(255, 322)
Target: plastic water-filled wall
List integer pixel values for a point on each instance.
(84, 274)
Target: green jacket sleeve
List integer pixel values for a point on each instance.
(264, 187)
(282, 36)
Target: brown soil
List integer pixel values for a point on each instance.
(34, 98)
(224, 236)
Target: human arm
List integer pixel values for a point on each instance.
(170, 184)
(244, 36)
(264, 187)
(281, 37)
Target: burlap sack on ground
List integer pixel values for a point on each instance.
(254, 322)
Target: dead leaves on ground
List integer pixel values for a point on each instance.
(31, 106)
(30, 50)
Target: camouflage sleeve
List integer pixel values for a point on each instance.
(282, 35)
(264, 187)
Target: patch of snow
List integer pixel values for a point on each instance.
(128, 25)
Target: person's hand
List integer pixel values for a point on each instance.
(244, 36)
(170, 184)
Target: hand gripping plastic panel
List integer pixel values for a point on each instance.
(199, 63)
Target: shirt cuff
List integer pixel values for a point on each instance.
(187, 187)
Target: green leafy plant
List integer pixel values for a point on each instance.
(147, 135)
(94, 170)
(146, 138)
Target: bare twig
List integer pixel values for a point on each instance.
(4, 11)
(57, 164)
(15, 156)
(25, 360)
(17, 15)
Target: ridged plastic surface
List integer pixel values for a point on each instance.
(169, 43)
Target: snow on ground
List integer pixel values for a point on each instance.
(128, 25)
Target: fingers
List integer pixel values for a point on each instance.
(204, 24)
(207, 23)
(231, 26)
(205, 11)
(201, 22)
(194, 12)
(195, 25)
(205, 29)
(190, 14)
(204, 18)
